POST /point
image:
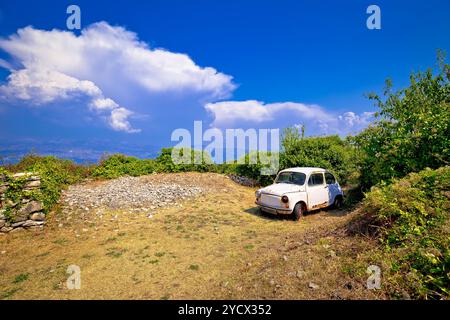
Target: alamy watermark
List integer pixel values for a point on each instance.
(74, 280)
(374, 20)
(230, 146)
(74, 20)
(374, 280)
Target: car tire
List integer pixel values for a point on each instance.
(298, 211)
(338, 202)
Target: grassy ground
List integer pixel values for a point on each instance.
(216, 246)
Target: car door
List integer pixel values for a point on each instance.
(333, 187)
(317, 191)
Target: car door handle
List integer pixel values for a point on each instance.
(326, 187)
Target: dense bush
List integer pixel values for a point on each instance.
(412, 131)
(411, 217)
(253, 165)
(118, 165)
(330, 152)
(197, 160)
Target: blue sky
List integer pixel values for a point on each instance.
(232, 64)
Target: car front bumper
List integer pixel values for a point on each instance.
(273, 210)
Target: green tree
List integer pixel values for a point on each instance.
(412, 129)
(199, 160)
(330, 152)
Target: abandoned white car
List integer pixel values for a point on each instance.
(297, 190)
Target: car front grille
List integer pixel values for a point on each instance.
(270, 200)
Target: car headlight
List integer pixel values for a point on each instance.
(258, 194)
(284, 199)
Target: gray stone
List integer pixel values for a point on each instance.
(136, 194)
(33, 184)
(31, 223)
(29, 175)
(38, 216)
(17, 224)
(243, 180)
(11, 204)
(6, 229)
(2, 223)
(31, 207)
(19, 216)
(312, 285)
(17, 230)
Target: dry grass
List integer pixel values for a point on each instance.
(213, 247)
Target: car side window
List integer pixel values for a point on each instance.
(316, 179)
(329, 178)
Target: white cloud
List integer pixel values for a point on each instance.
(228, 112)
(316, 119)
(109, 67)
(103, 51)
(352, 119)
(104, 104)
(102, 61)
(41, 86)
(118, 120)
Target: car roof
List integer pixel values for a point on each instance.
(305, 170)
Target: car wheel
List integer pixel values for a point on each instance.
(338, 203)
(298, 211)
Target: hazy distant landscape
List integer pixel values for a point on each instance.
(78, 151)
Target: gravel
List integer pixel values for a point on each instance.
(127, 192)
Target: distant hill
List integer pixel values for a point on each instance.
(80, 152)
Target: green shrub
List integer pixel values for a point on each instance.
(252, 164)
(412, 131)
(330, 152)
(55, 174)
(118, 165)
(198, 161)
(411, 216)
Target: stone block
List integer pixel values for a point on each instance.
(38, 216)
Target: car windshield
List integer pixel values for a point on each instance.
(291, 177)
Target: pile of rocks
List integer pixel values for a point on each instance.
(24, 214)
(126, 193)
(244, 181)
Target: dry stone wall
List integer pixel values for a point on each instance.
(244, 181)
(26, 212)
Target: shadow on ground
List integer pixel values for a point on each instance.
(268, 216)
(257, 212)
